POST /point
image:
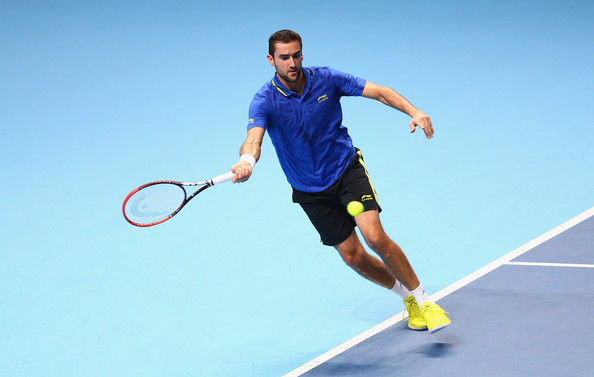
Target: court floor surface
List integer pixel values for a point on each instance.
(528, 313)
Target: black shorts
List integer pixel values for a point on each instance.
(327, 209)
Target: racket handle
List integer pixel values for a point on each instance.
(222, 178)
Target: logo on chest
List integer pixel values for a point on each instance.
(322, 98)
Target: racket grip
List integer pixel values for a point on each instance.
(222, 178)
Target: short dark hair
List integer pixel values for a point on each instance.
(283, 36)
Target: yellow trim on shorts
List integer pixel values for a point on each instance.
(360, 158)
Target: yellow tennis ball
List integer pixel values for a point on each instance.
(355, 208)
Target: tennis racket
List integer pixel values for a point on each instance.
(157, 202)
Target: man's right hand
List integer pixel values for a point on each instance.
(242, 171)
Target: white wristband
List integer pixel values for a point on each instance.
(248, 158)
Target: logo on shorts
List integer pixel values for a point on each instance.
(366, 197)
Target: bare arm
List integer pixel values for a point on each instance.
(391, 98)
(252, 146)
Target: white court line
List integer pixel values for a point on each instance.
(444, 292)
(514, 254)
(545, 264)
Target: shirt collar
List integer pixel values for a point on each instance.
(278, 85)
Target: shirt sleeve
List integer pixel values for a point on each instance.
(347, 84)
(258, 112)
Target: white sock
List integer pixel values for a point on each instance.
(420, 295)
(400, 290)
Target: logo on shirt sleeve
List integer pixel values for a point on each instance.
(250, 121)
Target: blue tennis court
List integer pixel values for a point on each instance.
(528, 313)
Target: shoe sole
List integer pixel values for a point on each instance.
(437, 328)
(415, 328)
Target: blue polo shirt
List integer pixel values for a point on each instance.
(312, 145)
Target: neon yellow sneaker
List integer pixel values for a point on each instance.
(415, 318)
(434, 316)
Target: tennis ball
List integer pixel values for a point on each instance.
(355, 208)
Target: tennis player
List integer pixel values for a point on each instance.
(300, 108)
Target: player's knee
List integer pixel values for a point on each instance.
(377, 241)
(352, 257)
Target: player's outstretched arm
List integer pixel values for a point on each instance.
(390, 97)
(249, 153)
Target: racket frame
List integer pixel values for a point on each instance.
(205, 184)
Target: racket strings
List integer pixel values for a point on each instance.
(154, 203)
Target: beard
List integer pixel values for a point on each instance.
(288, 78)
